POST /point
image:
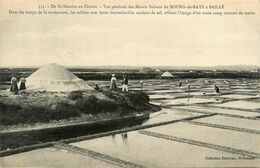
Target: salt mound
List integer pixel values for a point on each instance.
(55, 78)
(167, 74)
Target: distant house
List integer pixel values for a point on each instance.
(158, 71)
(255, 70)
(167, 75)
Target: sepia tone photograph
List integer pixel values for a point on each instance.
(133, 83)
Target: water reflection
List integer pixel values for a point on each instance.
(124, 136)
(113, 136)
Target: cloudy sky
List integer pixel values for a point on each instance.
(129, 40)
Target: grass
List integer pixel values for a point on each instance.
(32, 108)
(87, 104)
(74, 95)
(105, 74)
(15, 114)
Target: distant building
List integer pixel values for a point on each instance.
(158, 71)
(167, 75)
(255, 70)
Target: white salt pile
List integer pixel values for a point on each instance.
(55, 78)
(167, 74)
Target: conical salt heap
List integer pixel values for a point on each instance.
(167, 74)
(55, 78)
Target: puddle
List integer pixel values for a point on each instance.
(234, 122)
(202, 93)
(154, 152)
(219, 110)
(164, 96)
(168, 115)
(186, 101)
(216, 136)
(167, 91)
(237, 96)
(240, 104)
(51, 157)
(245, 90)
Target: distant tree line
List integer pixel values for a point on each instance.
(105, 74)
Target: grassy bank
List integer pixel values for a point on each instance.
(41, 107)
(105, 74)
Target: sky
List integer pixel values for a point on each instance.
(95, 40)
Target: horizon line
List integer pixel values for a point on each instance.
(7, 66)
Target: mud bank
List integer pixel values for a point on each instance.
(32, 108)
(17, 139)
(37, 117)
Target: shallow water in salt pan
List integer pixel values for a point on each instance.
(230, 121)
(186, 101)
(240, 104)
(157, 152)
(212, 135)
(154, 152)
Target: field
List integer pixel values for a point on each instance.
(202, 127)
(134, 73)
(196, 128)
